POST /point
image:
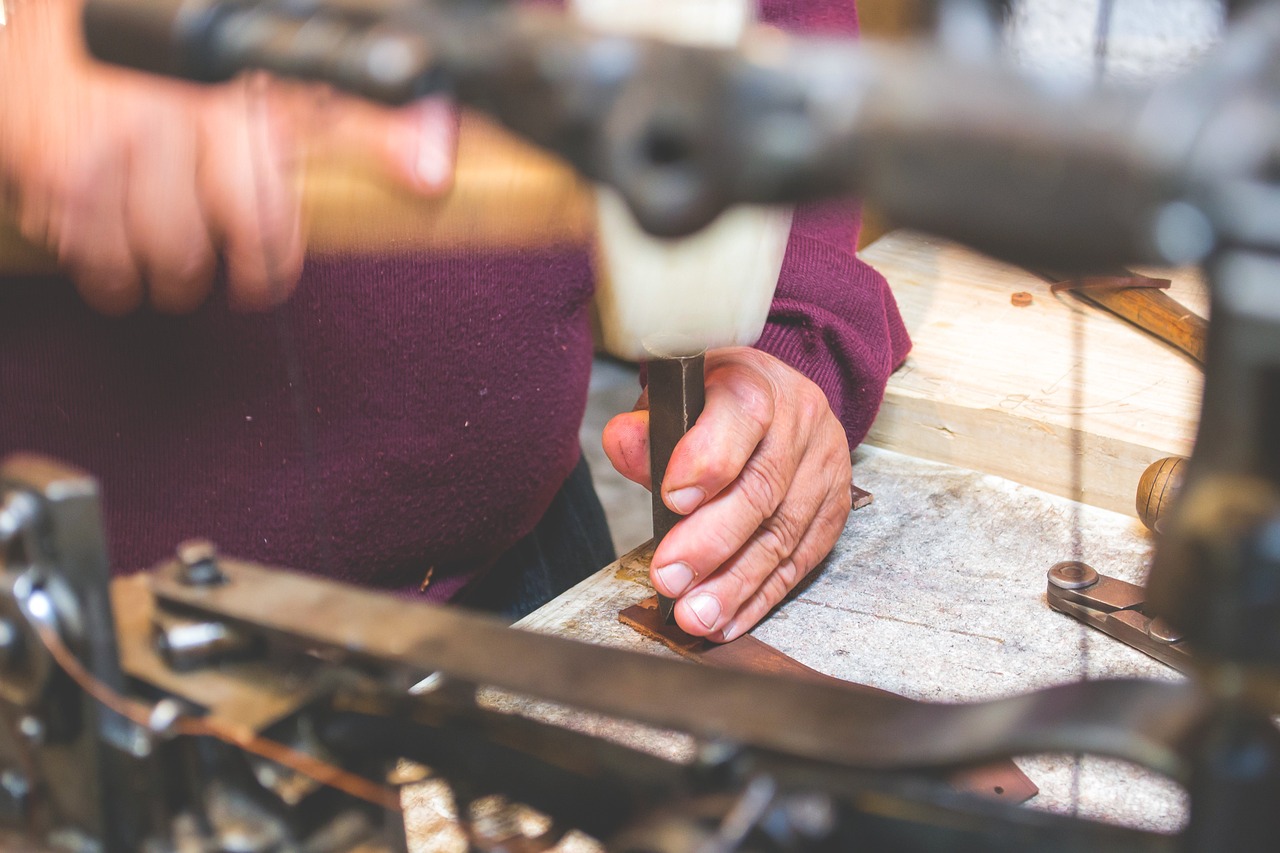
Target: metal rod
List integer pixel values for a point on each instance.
(676, 397)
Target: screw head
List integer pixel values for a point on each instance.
(15, 785)
(811, 815)
(10, 644)
(1162, 631)
(32, 729)
(199, 559)
(1072, 574)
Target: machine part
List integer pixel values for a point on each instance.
(1162, 631)
(781, 121)
(811, 739)
(53, 579)
(187, 645)
(1021, 299)
(1147, 723)
(1117, 608)
(1157, 488)
(256, 697)
(1224, 536)
(677, 393)
(199, 559)
(1000, 780)
(1072, 574)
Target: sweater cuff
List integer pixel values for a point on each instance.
(835, 320)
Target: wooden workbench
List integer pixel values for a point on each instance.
(1030, 392)
(935, 591)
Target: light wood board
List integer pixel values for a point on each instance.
(1007, 391)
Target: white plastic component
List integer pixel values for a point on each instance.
(671, 298)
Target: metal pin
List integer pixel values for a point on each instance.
(676, 396)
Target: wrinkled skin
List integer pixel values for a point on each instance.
(763, 479)
(141, 186)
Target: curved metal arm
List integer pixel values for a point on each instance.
(972, 151)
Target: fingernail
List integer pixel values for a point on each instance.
(435, 129)
(706, 608)
(433, 164)
(686, 500)
(675, 577)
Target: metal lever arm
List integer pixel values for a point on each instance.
(1115, 607)
(1063, 178)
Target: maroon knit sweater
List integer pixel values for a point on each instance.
(399, 412)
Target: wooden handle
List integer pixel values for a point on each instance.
(1157, 488)
(505, 194)
(1156, 312)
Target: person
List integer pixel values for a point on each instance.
(407, 420)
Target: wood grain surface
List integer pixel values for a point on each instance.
(1003, 390)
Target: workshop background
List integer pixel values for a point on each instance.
(1058, 39)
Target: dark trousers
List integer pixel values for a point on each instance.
(570, 543)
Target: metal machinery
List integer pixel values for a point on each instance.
(119, 733)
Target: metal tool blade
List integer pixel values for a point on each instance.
(677, 393)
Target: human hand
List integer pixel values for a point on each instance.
(763, 479)
(140, 185)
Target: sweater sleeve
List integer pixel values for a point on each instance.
(833, 318)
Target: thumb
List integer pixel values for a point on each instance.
(626, 443)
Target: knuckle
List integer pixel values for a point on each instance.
(781, 582)
(840, 498)
(754, 402)
(738, 584)
(702, 542)
(777, 537)
(761, 488)
(813, 402)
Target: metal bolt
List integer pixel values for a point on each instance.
(1072, 574)
(199, 559)
(248, 835)
(716, 753)
(16, 788)
(811, 815)
(140, 742)
(187, 646)
(72, 840)
(10, 643)
(18, 511)
(31, 729)
(164, 716)
(1162, 631)
(716, 762)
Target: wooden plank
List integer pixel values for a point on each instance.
(1001, 389)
